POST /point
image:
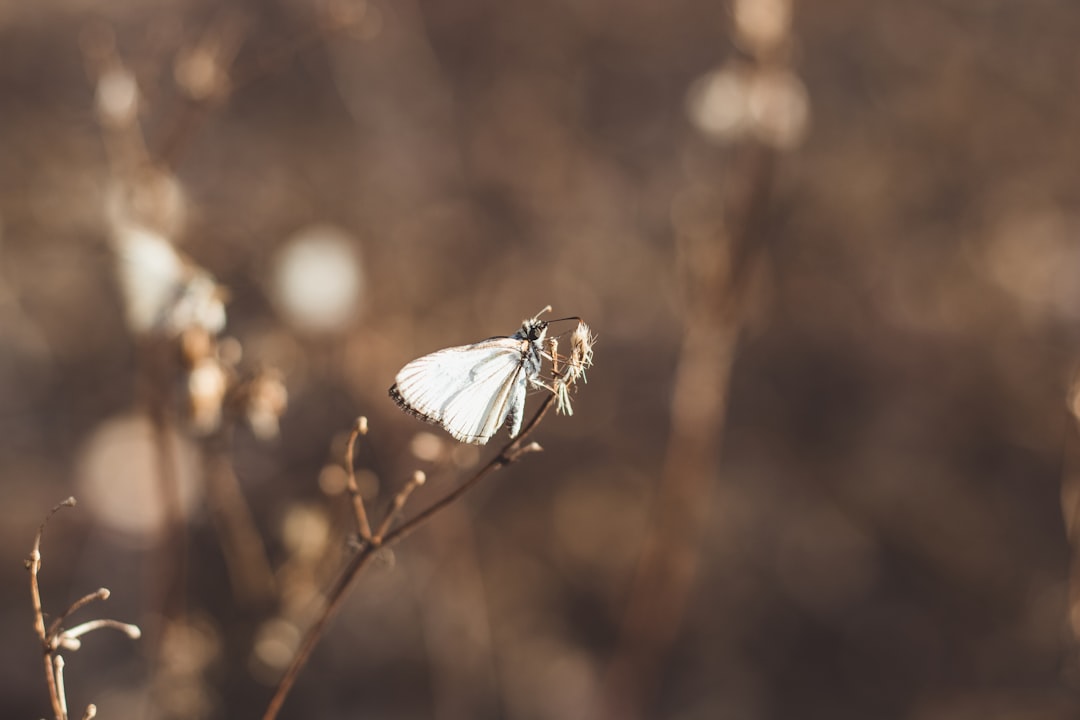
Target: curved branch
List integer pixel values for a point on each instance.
(340, 589)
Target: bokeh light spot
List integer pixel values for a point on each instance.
(318, 279)
(118, 476)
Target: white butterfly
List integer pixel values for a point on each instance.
(473, 390)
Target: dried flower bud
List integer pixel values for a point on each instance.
(207, 384)
(267, 400)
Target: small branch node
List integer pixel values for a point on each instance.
(66, 643)
(516, 453)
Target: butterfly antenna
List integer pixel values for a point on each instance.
(565, 319)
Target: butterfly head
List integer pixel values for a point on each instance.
(533, 330)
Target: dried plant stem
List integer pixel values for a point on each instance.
(362, 525)
(668, 564)
(396, 506)
(225, 35)
(55, 638)
(56, 692)
(58, 664)
(337, 594)
(1070, 503)
(245, 556)
(100, 594)
(220, 43)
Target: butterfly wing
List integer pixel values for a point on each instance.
(515, 409)
(469, 390)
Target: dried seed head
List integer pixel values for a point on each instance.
(574, 367)
(581, 349)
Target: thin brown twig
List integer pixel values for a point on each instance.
(508, 454)
(34, 566)
(418, 478)
(250, 574)
(99, 594)
(1070, 500)
(55, 637)
(713, 322)
(61, 692)
(219, 45)
(362, 525)
(245, 557)
(70, 638)
(197, 110)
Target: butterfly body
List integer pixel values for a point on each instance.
(473, 390)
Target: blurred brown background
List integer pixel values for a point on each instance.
(882, 535)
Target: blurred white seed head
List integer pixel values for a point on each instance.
(780, 108)
(199, 302)
(163, 291)
(716, 103)
(735, 102)
(149, 269)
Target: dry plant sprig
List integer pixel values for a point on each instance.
(362, 524)
(576, 363)
(418, 479)
(510, 452)
(55, 637)
(721, 241)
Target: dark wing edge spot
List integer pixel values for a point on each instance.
(404, 405)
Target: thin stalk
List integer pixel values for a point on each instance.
(509, 453)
